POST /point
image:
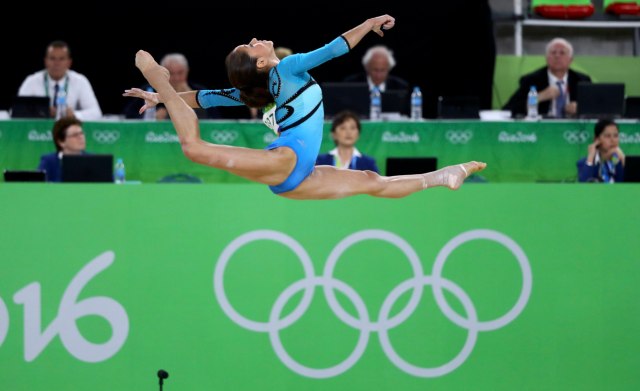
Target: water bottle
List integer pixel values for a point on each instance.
(416, 104)
(61, 104)
(375, 106)
(532, 103)
(119, 172)
(150, 113)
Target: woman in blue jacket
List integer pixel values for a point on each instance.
(605, 159)
(345, 130)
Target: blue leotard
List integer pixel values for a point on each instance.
(299, 110)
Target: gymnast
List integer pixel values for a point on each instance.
(291, 101)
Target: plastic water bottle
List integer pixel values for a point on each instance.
(375, 105)
(61, 104)
(150, 113)
(416, 104)
(119, 173)
(532, 103)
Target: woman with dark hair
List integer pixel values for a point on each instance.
(292, 104)
(345, 130)
(68, 138)
(605, 159)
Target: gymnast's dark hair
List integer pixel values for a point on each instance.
(243, 74)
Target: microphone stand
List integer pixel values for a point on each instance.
(162, 374)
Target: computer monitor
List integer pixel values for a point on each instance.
(410, 165)
(600, 100)
(632, 169)
(339, 96)
(24, 176)
(632, 107)
(87, 168)
(396, 101)
(30, 107)
(458, 107)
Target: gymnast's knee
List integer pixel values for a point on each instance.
(189, 148)
(375, 182)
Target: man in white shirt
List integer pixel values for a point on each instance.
(57, 78)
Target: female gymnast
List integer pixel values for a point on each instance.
(292, 104)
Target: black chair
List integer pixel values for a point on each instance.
(458, 107)
(180, 178)
(632, 107)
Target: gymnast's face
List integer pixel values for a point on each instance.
(258, 49)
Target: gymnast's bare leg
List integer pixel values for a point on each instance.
(328, 182)
(270, 167)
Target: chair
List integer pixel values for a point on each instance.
(632, 107)
(622, 7)
(180, 178)
(562, 9)
(458, 107)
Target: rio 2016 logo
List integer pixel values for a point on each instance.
(363, 322)
(70, 310)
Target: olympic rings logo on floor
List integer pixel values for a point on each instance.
(363, 323)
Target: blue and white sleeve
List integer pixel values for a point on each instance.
(213, 98)
(303, 62)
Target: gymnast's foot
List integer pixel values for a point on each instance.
(155, 74)
(453, 176)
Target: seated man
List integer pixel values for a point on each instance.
(378, 61)
(57, 77)
(556, 84)
(178, 67)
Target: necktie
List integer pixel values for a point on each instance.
(560, 100)
(56, 88)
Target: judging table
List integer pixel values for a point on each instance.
(516, 151)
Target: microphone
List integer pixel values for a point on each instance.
(162, 374)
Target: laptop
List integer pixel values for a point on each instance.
(600, 100)
(87, 168)
(632, 169)
(458, 107)
(410, 165)
(30, 107)
(632, 107)
(396, 101)
(339, 96)
(24, 176)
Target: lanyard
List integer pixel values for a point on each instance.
(351, 164)
(46, 83)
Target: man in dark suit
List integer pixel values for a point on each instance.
(378, 61)
(556, 84)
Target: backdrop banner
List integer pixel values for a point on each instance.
(228, 287)
(518, 151)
